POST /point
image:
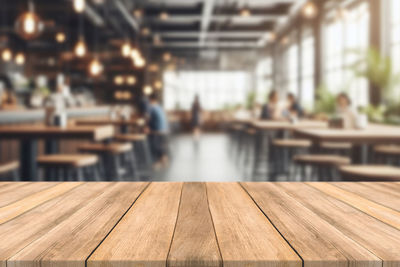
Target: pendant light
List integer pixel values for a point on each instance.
(79, 6)
(139, 62)
(147, 90)
(60, 37)
(158, 85)
(80, 48)
(309, 10)
(135, 54)
(6, 55)
(167, 56)
(29, 25)
(20, 58)
(119, 80)
(126, 49)
(131, 80)
(95, 67)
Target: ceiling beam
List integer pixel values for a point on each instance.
(126, 15)
(207, 45)
(218, 18)
(226, 34)
(208, 9)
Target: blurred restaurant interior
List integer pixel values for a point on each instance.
(200, 90)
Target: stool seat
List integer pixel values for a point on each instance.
(113, 148)
(370, 172)
(68, 160)
(130, 137)
(8, 167)
(292, 143)
(392, 150)
(332, 160)
(336, 145)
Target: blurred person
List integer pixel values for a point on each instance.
(196, 116)
(158, 132)
(295, 111)
(271, 110)
(345, 111)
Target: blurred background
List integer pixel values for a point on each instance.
(195, 78)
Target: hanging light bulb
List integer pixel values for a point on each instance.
(79, 5)
(135, 54)
(60, 37)
(126, 49)
(245, 12)
(145, 31)
(130, 80)
(28, 25)
(164, 15)
(147, 90)
(80, 48)
(158, 85)
(95, 67)
(138, 13)
(167, 56)
(140, 62)
(119, 80)
(309, 10)
(20, 59)
(6, 55)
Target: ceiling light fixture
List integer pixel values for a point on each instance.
(6, 55)
(126, 49)
(309, 10)
(79, 6)
(20, 59)
(147, 90)
(60, 37)
(130, 80)
(138, 13)
(245, 12)
(119, 80)
(158, 85)
(28, 25)
(80, 48)
(164, 15)
(95, 67)
(167, 56)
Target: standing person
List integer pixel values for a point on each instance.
(271, 110)
(158, 132)
(196, 116)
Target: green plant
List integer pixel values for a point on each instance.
(377, 69)
(250, 99)
(325, 101)
(375, 113)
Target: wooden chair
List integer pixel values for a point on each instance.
(370, 173)
(117, 160)
(141, 150)
(9, 170)
(69, 167)
(323, 167)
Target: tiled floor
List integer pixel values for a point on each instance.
(207, 159)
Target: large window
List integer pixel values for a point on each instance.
(343, 35)
(293, 69)
(395, 39)
(264, 78)
(307, 69)
(216, 89)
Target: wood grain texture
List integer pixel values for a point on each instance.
(317, 242)
(18, 190)
(372, 191)
(286, 125)
(244, 234)
(15, 209)
(194, 243)
(35, 223)
(380, 212)
(143, 236)
(381, 239)
(71, 242)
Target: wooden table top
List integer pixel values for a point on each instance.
(373, 134)
(199, 224)
(105, 121)
(96, 133)
(287, 125)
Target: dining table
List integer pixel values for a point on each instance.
(122, 124)
(29, 135)
(361, 139)
(147, 224)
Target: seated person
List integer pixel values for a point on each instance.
(345, 111)
(158, 130)
(293, 107)
(271, 110)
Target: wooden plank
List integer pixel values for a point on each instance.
(143, 236)
(15, 191)
(381, 239)
(35, 223)
(194, 243)
(317, 242)
(385, 214)
(374, 192)
(17, 208)
(71, 242)
(244, 234)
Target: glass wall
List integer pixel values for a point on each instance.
(345, 37)
(395, 39)
(216, 89)
(264, 81)
(307, 69)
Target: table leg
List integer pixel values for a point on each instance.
(28, 152)
(359, 154)
(51, 146)
(124, 129)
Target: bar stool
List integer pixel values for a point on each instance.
(387, 154)
(9, 171)
(141, 150)
(68, 167)
(336, 148)
(370, 173)
(324, 167)
(284, 150)
(117, 160)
